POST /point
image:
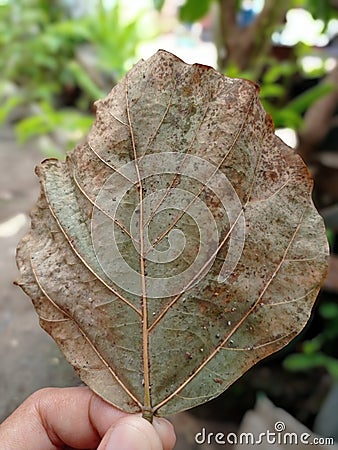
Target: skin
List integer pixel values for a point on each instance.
(76, 418)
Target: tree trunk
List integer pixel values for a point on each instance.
(247, 47)
(318, 119)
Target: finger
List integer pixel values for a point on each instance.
(52, 417)
(166, 432)
(163, 427)
(134, 432)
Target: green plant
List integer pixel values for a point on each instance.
(34, 52)
(317, 351)
(42, 63)
(274, 92)
(291, 114)
(64, 126)
(246, 51)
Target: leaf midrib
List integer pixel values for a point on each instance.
(147, 406)
(144, 313)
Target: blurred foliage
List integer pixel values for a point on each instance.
(158, 4)
(320, 351)
(273, 76)
(192, 10)
(274, 92)
(41, 62)
(42, 67)
(291, 115)
(317, 351)
(323, 9)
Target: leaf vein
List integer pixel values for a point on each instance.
(84, 262)
(86, 337)
(241, 128)
(237, 325)
(145, 336)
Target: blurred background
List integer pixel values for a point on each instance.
(58, 56)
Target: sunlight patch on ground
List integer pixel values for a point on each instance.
(13, 225)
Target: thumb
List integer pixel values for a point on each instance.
(135, 433)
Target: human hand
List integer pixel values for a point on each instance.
(76, 418)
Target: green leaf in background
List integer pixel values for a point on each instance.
(323, 9)
(71, 124)
(329, 311)
(7, 105)
(158, 4)
(193, 10)
(303, 101)
(305, 361)
(84, 81)
(272, 90)
(277, 71)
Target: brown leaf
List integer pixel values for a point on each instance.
(178, 245)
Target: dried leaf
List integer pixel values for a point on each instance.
(178, 245)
